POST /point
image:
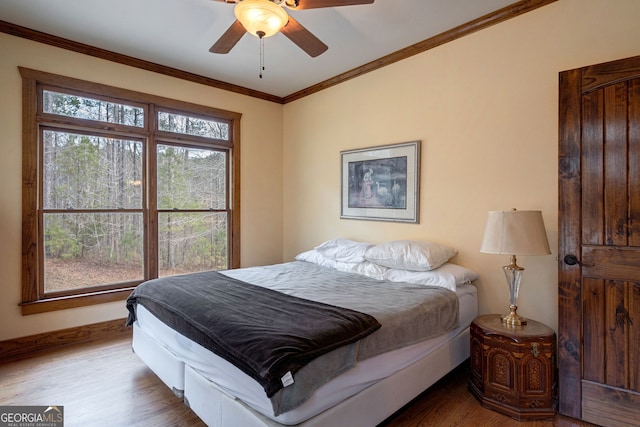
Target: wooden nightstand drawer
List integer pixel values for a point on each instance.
(513, 367)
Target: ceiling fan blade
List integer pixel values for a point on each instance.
(316, 4)
(228, 40)
(303, 38)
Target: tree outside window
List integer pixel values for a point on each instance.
(121, 189)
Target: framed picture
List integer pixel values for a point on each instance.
(381, 183)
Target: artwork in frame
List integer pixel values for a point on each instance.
(381, 183)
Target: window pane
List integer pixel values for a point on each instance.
(80, 107)
(191, 178)
(190, 242)
(178, 123)
(83, 250)
(91, 172)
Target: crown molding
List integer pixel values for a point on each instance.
(478, 24)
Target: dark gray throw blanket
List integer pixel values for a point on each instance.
(265, 333)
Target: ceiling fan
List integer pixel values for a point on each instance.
(264, 18)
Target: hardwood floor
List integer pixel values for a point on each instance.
(105, 384)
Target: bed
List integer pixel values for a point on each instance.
(396, 350)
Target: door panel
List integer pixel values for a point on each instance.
(615, 322)
(615, 164)
(594, 336)
(592, 169)
(634, 336)
(599, 221)
(634, 167)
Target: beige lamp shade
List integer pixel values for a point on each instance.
(515, 233)
(261, 18)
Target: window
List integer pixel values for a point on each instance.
(121, 187)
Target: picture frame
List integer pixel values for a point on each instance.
(381, 183)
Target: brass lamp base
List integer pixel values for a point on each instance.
(512, 319)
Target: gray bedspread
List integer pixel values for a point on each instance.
(408, 314)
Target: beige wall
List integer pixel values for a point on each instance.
(485, 108)
(261, 169)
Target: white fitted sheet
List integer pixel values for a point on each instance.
(241, 386)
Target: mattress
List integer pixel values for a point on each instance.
(367, 372)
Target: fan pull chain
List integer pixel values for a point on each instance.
(261, 36)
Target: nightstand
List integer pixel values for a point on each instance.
(513, 368)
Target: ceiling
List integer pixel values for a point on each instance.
(179, 33)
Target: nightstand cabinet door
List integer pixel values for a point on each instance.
(513, 368)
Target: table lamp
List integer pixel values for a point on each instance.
(514, 233)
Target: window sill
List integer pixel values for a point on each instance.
(63, 303)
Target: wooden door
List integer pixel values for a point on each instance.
(599, 243)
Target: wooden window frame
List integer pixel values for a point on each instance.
(33, 82)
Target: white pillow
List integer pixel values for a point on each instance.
(343, 250)
(315, 257)
(364, 268)
(448, 276)
(410, 255)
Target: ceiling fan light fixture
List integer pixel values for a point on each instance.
(262, 18)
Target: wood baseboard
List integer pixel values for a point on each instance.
(25, 347)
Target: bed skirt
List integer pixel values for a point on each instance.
(219, 409)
